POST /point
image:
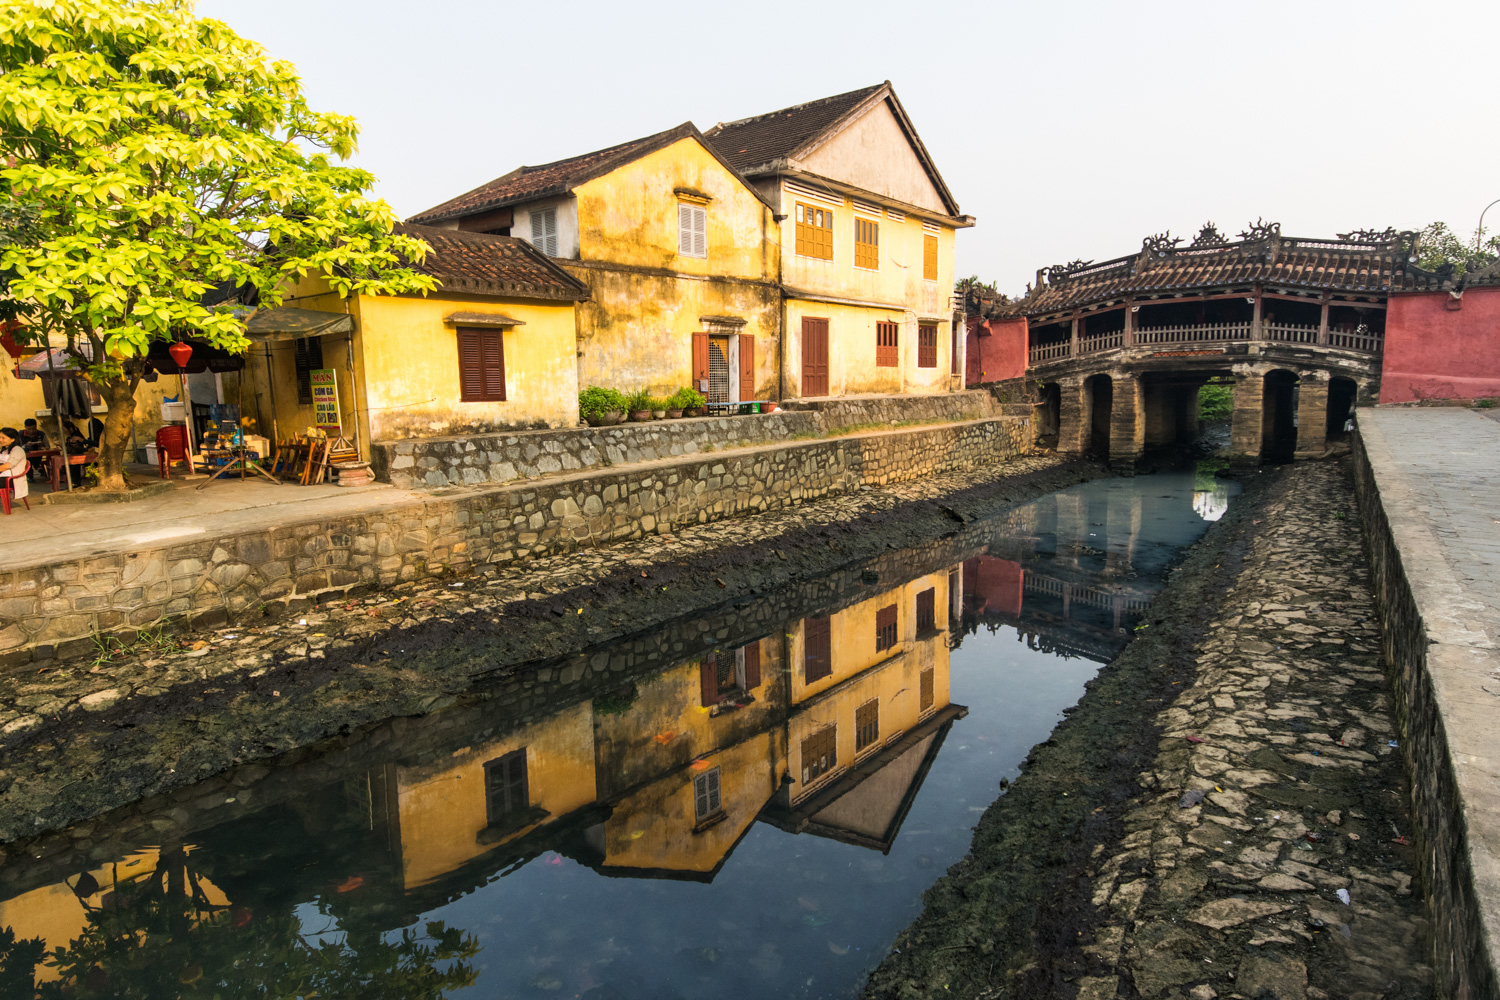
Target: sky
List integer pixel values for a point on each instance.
(1070, 131)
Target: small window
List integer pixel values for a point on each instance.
(706, 802)
(925, 686)
(481, 366)
(817, 649)
(820, 754)
(926, 347)
(887, 345)
(814, 231)
(866, 725)
(505, 786)
(926, 613)
(929, 257)
(692, 230)
(544, 230)
(867, 244)
(885, 628)
(308, 356)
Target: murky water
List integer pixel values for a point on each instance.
(759, 819)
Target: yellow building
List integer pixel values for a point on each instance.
(490, 350)
(867, 229)
(679, 253)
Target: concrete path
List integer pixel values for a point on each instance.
(1438, 476)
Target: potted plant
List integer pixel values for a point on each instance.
(690, 401)
(659, 406)
(674, 405)
(600, 407)
(638, 405)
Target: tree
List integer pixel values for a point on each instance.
(165, 155)
(1439, 246)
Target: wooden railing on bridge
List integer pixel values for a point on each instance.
(1187, 335)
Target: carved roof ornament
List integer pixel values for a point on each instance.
(1161, 244)
(1387, 235)
(1261, 230)
(1209, 236)
(1058, 272)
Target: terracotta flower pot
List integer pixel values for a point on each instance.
(611, 417)
(673, 414)
(640, 416)
(768, 407)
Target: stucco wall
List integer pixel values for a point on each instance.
(873, 152)
(1436, 351)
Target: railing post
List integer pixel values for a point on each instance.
(1255, 316)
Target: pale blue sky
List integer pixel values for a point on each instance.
(1068, 130)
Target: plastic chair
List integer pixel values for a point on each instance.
(8, 487)
(171, 446)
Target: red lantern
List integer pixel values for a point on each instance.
(180, 353)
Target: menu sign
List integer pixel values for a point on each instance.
(325, 395)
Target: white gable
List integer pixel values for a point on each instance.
(873, 153)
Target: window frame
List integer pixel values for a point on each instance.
(811, 239)
(866, 726)
(708, 787)
(927, 345)
(694, 213)
(887, 354)
(303, 364)
(499, 765)
(827, 762)
(866, 251)
(483, 394)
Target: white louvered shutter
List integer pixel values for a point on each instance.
(544, 231)
(684, 229)
(700, 232)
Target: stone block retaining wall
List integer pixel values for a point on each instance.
(1459, 873)
(56, 609)
(502, 458)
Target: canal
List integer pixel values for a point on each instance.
(757, 815)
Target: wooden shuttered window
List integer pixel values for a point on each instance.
(926, 346)
(885, 628)
(747, 367)
(866, 725)
(692, 230)
(887, 345)
(307, 355)
(820, 754)
(817, 649)
(706, 800)
(751, 655)
(929, 257)
(814, 357)
(926, 612)
(814, 231)
(481, 365)
(866, 243)
(727, 673)
(924, 701)
(506, 788)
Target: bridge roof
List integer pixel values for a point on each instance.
(1360, 262)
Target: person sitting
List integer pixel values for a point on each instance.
(32, 436)
(13, 462)
(75, 444)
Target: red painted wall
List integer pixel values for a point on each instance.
(992, 584)
(995, 351)
(1434, 351)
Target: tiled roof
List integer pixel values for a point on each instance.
(1364, 262)
(756, 142)
(550, 179)
(479, 264)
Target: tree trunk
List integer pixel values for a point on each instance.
(119, 396)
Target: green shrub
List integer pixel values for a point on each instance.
(659, 403)
(1215, 402)
(687, 398)
(638, 400)
(594, 401)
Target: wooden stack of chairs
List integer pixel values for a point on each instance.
(308, 460)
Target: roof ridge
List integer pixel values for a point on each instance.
(533, 167)
(799, 107)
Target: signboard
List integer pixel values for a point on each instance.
(325, 395)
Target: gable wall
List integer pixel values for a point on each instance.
(874, 153)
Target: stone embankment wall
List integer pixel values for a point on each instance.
(57, 609)
(1454, 804)
(503, 458)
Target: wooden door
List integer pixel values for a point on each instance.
(814, 357)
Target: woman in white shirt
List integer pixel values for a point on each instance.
(13, 461)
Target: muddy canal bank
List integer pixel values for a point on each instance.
(79, 740)
(1225, 812)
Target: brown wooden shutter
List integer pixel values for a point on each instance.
(700, 362)
(752, 666)
(926, 347)
(747, 367)
(481, 366)
(930, 257)
(926, 691)
(817, 648)
(885, 628)
(814, 357)
(708, 679)
(926, 609)
(887, 345)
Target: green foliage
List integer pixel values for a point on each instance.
(1215, 403)
(162, 155)
(1439, 246)
(688, 398)
(659, 403)
(638, 400)
(1488, 403)
(972, 283)
(616, 702)
(595, 401)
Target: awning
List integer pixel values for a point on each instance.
(52, 363)
(481, 319)
(291, 323)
